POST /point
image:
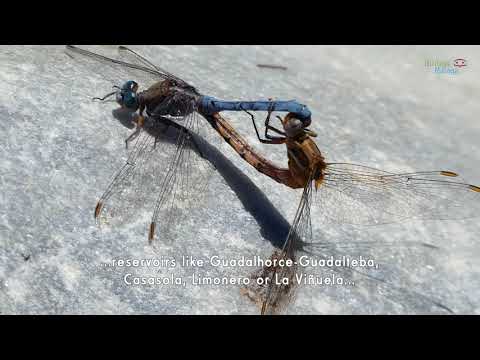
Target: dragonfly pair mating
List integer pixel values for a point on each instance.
(345, 193)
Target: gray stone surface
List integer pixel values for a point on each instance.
(376, 106)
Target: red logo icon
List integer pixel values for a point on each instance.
(459, 62)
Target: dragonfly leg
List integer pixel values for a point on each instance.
(269, 127)
(105, 97)
(270, 139)
(139, 120)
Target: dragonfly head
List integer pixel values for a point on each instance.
(295, 127)
(127, 95)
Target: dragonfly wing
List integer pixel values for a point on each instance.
(129, 188)
(365, 193)
(115, 65)
(280, 290)
(163, 160)
(131, 56)
(106, 64)
(184, 182)
(360, 195)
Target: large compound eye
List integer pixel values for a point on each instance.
(293, 126)
(128, 85)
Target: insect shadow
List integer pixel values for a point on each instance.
(273, 225)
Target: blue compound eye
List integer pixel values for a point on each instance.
(127, 97)
(129, 85)
(130, 100)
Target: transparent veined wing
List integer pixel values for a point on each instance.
(185, 180)
(164, 177)
(139, 59)
(117, 64)
(279, 289)
(274, 297)
(361, 195)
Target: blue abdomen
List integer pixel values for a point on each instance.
(210, 105)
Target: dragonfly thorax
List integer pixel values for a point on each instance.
(166, 98)
(305, 161)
